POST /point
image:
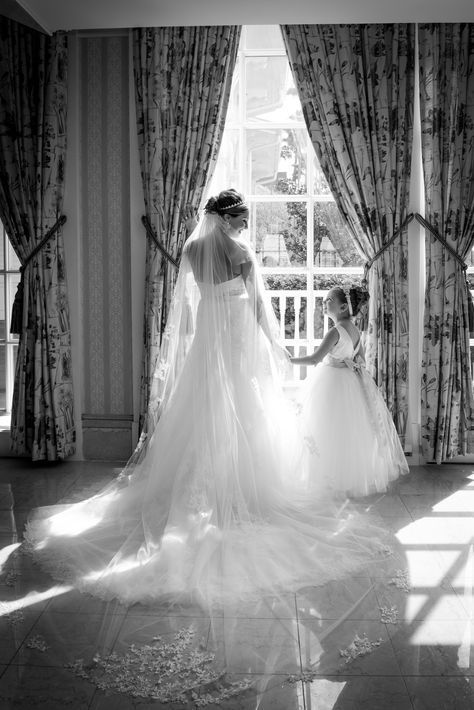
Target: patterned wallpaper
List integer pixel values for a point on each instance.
(105, 233)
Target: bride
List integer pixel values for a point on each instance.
(208, 509)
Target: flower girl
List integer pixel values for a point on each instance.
(351, 444)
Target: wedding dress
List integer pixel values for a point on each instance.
(209, 508)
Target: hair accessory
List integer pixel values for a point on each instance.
(347, 294)
(231, 207)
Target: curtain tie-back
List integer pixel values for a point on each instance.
(458, 258)
(151, 234)
(379, 253)
(441, 239)
(16, 320)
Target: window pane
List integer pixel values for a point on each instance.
(13, 261)
(12, 282)
(2, 310)
(227, 171)
(279, 233)
(270, 93)
(263, 37)
(276, 160)
(233, 115)
(3, 379)
(320, 185)
(333, 243)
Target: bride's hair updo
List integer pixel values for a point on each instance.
(226, 202)
(355, 294)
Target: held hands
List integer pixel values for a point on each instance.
(190, 218)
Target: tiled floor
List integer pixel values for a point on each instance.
(421, 630)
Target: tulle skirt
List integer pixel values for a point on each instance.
(351, 446)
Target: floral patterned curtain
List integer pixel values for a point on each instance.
(356, 85)
(33, 105)
(447, 130)
(183, 78)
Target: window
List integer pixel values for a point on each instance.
(9, 278)
(301, 242)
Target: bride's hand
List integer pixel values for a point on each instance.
(190, 218)
(282, 351)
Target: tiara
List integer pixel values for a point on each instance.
(231, 207)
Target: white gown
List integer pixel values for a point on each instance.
(352, 446)
(210, 509)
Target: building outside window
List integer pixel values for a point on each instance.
(301, 241)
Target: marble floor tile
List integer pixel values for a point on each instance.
(257, 646)
(28, 687)
(14, 629)
(68, 637)
(383, 505)
(433, 692)
(358, 693)
(352, 598)
(141, 630)
(436, 602)
(321, 647)
(434, 647)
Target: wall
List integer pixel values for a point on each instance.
(104, 244)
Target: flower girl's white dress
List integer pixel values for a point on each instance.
(351, 444)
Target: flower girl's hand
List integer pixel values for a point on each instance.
(190, 218)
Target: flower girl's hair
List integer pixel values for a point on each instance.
(355, 297)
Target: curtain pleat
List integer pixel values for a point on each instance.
(447, 132)
(356, 85)
(183, 78)
(33, 108)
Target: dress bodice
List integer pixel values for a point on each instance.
(343, 349)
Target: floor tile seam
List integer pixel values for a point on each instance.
(390, 641)
(345, 673)
(298, 638)
(408, 693)
(77, 612)
(25, 637)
